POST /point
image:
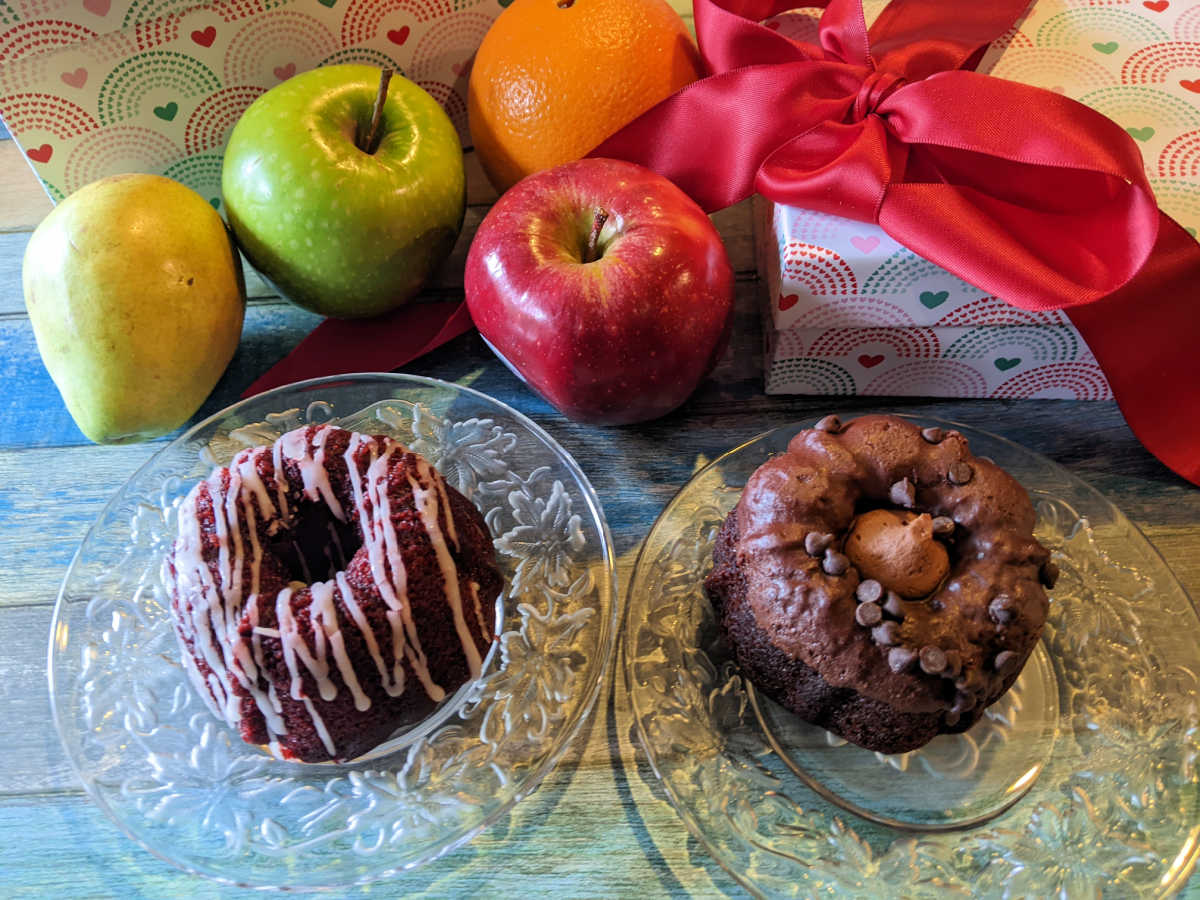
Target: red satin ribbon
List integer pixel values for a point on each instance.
(379, 344)
(1021, 192)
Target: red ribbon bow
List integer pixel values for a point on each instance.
(1019, 191)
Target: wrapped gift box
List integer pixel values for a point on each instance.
(99, 87)
(850, 311)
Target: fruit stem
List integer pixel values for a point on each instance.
(591, 252)
(371, 144)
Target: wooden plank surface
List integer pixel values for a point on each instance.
(600, 825)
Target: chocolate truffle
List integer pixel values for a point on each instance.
(897, 549)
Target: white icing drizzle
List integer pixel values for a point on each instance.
(250, 661)
(215, 600)
(428, 472)
(386, 587)
(313, 473)
(387, 565)
(392, 688)
(400, 615)
(322, 603)
(429, 501)
(293, 645)
(203, 605)
(244, 462)
(281, 484)
(319, 724)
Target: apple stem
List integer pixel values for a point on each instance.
(371, 144)
(591, 251)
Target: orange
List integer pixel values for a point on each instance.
(554, 78)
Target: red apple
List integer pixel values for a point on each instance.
(603, 286)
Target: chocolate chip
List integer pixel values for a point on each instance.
(960, 473)
(933, 435)
(1049, 574)
(969, 681)
(951, 717)
(943, 525)
(903, 493)
(894, 606)
(835, 563)
(868, 591)
(830, 424)
(963, 702)
(886, 634)
(1002, 609)
(900, 658)
(1004, 661)
(815, 543)
(868, 615)
(933, 659)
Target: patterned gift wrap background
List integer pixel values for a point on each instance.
(98, 87)
(850, 311)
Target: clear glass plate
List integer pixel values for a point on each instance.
(1081, 781)
(181, 782)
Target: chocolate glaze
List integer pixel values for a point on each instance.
(823, 481)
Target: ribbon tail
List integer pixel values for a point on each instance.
(380, 344)
(916, 38)
(1145, 337)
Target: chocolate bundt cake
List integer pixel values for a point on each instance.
(880, 581)
(329, 589)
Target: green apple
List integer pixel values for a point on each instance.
(136, 298)
(342, 225)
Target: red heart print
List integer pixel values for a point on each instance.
(865, 244)
(1193, 86)
(76, 79)
(98, 7)
(869, 362)
(40, 154)
(463, 67)
(788, 302)
(399, 35)
(1155, 5)
(205, 37)
(283, 73)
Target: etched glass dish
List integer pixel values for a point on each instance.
(1080, 782)
(181, 782)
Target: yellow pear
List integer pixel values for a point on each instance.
(136, 297)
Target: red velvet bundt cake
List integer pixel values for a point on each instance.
(329, 589)
(880, 581)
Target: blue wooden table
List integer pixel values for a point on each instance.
(600, 825)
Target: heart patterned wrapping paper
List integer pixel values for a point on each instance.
(90, 88)
(848, 310)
